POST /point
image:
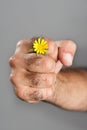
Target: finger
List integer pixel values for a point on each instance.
(25, 46)
(33, 95)
(33, 62)
(40, 94)
(67, 51)
(20, 78)
(38, 80)
(39, 63)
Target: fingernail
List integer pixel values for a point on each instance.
(68, 57)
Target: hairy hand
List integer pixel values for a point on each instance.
(34, 76)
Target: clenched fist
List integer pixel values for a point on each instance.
(34, 76)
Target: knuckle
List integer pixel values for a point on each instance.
(21, 42)
(15, 61)
(12, 61)
(19, 94)
(12, 78)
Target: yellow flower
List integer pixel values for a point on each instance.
(40, 46)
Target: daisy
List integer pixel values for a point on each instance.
(40, 46)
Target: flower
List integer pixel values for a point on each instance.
(40, 46)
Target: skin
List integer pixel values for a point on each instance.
(39, 77)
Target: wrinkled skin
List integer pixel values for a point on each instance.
(34, 76)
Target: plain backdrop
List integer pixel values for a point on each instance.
(57, 19)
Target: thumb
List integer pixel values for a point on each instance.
(66, 52)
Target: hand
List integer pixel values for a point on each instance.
(34, 76)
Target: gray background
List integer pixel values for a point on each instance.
(57, 19)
